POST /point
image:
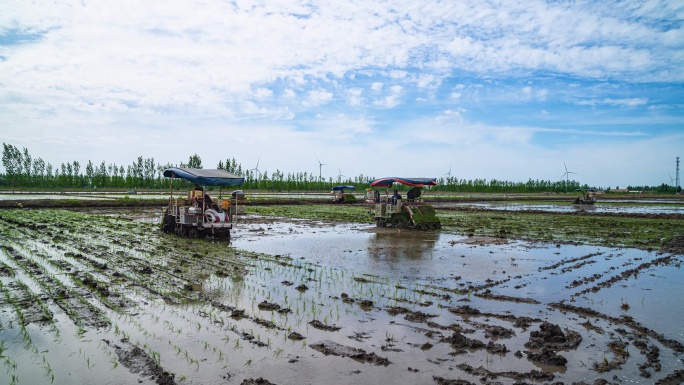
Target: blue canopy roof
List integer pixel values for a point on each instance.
(205, 177)
(343, 187)
(414, 182)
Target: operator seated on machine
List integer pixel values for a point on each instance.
(196, 193)
(209, 204)
(396, 197)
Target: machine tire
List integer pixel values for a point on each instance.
(168, 224)
(193, 233)
(183, 231)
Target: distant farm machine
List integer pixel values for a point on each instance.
(197, 215)
(587, 196)
(393, 210)
(339, 196)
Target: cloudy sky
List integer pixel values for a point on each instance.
(508, 90)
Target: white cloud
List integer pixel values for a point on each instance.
(455, 96)
(263, 93)
(626, 102)
(542, 94)
(389, 101)
(355, 97)
(103, 75)
(318, 97)
(289, 94)
(526, 92)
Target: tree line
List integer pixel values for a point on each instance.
(23, 171)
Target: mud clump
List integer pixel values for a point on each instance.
(295, 336)
(524, 322)
(496, 348)
(393, 311)
(459, 341)
(366, 304)
(652, 358)
(269, 306)
(418, 316)
(495, 331)
(620, 355)
(533, 375)
(674, 245)
(138, 361)
(547, 357)
(321, 326)
(302, 288)
(256, 381)
(551, 336)
(673, 379)
(335, 349)
(464, 310)
(444, 381)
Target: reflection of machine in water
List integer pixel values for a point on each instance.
(394, 246)
(393, 211)
(587, 197)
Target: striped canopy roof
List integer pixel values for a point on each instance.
(413, 182)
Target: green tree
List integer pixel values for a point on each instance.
(195, 161)
(27, 160)
(90, 174)
(76, 180)
(12, 161)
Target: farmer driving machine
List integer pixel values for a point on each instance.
(587, 196)
(393, 210)
(197, 215)
(339, 196)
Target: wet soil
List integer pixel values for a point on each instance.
(141, 306)
(138, 361)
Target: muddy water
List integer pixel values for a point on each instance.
(367, 305)
(438, 258)
(520, 278)
(649, 207)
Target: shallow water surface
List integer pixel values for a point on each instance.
(367, 305)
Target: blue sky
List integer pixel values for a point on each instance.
(506, 90)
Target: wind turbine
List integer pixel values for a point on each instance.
(671, 178)
(449, 173)
(339, 176)
(567, 174)
(320, 167)
(258, 173)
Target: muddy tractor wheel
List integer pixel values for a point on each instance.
(380, 223)
(168, 224)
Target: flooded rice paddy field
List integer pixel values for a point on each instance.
(105, 298)
(660, 207)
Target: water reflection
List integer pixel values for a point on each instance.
(600, 207)
(394, 245)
